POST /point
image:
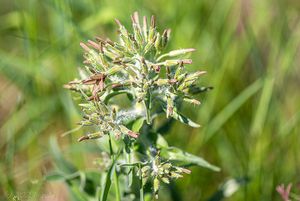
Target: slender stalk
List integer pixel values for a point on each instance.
(115, 176)
(110, 148)
(148, 119)
(141, 185)
(117, 188)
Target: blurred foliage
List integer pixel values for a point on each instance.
(250, 121)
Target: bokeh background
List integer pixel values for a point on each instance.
(250, 120)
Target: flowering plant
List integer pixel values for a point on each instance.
(124, 88)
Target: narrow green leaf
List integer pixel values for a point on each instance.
(184, 119)
(117, 187)
(184, 158)
(219, 120)
(60, 161)
(106, 185)
(262, 109)
(54, 176)
(115, 93)
(130, 164)
(180, 117)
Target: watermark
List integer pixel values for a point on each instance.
(23, 196)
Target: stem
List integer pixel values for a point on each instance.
(117, 188)
(148, 119)
(115, 176)
(141, 185)
(110, 148)
(147, 103)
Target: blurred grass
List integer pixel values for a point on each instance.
(250, 121)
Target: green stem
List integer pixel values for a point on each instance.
(117, 188)
(115, 176)
(141, 185)
(147, 112)
(110, 147)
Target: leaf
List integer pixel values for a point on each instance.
(222, 117)
(130, 177)
(60, 161)
(175, 53)
(176, 115)
(184, 158)
(260, 117)
(196, 90)
(161, 142)
(184, 119)
(135, 164)
(54, 176)
(137, 125)
(106, 185)
(115, 93)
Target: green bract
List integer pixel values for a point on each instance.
(154, 82)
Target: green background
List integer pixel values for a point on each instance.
(250, 121)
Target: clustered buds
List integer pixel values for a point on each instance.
(100, 115)
(135, 66)
(160, 172)
(154, 82)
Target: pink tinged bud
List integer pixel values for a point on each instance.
(132, 134)
(145, 28)
(186, 61)
(109, 42)
(89, 81)
(82, 138)
(145, 21)
(172, 81)
(132, 19)
(68, 86)
(168, 33)
(118, 23)
(100, 40)
(186, 171)
(75, 82)
(101, 47)
(175, 53)
(192, 101)
(90, 136)
(170, 111)
(93, 44)
(153, 21)
(85, 47)
(201, 73)
(164, 34)
(98, 76)
(128, 132)
(136, 17)
(180, 52)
